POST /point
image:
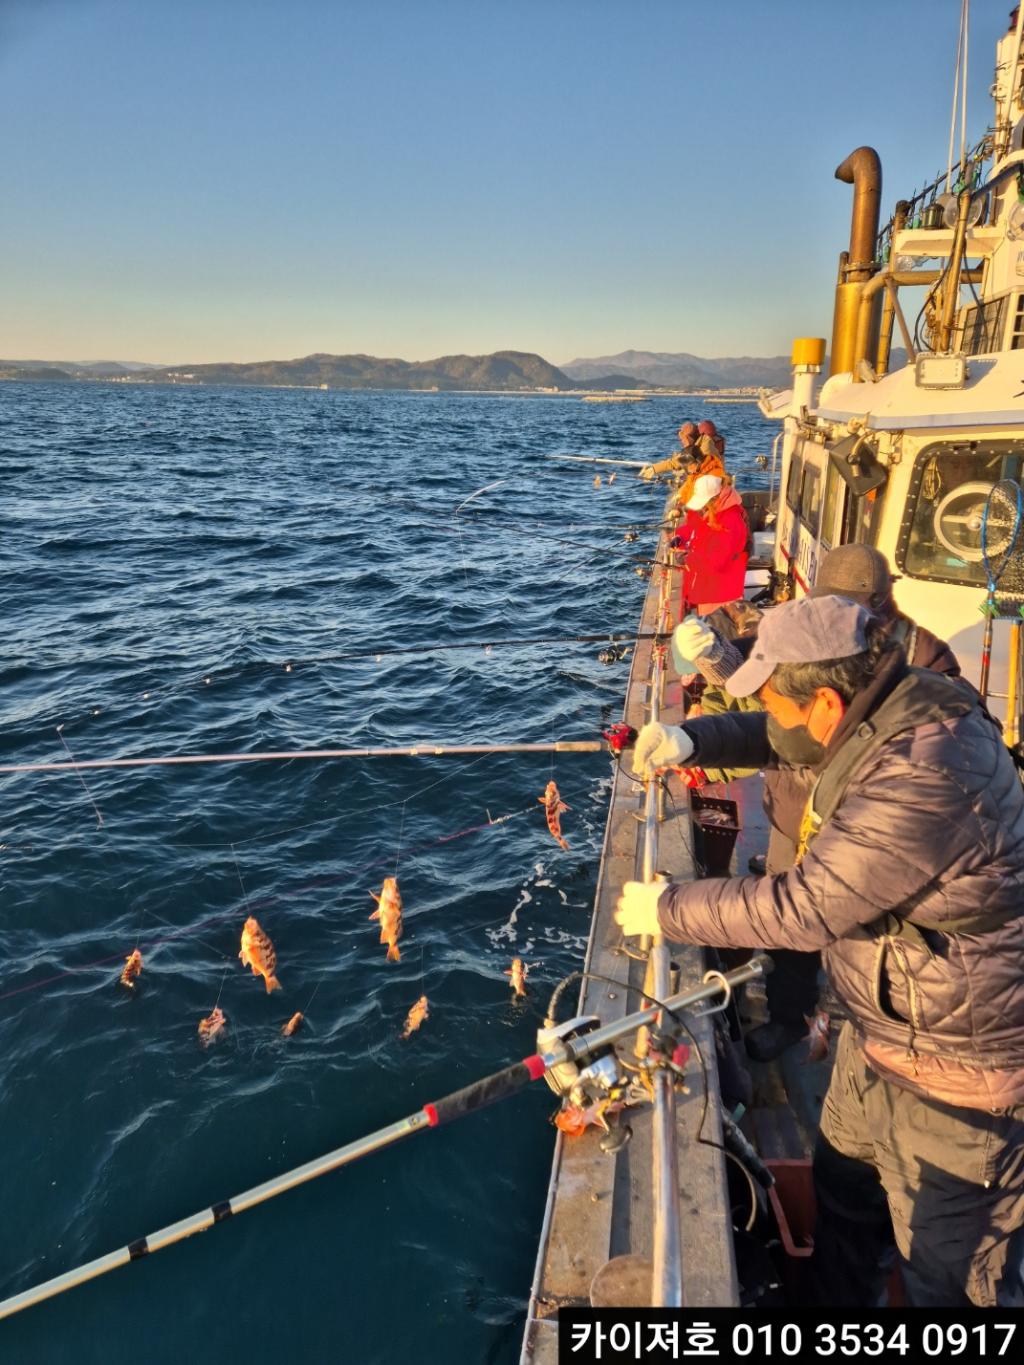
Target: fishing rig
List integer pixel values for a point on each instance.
(576, 1059)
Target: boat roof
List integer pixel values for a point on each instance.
(993, 395)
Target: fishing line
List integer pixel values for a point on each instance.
(111, 847)
(85, 788)
(317, 884)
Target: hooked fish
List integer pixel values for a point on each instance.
(416, 1016)
(597, 480)
(389, 912)
(293, 1025)
(553, 807)
(518, 972)
(212, 1026)
(258, 953)
(132, 969)
(819, 1031)
(612, 478)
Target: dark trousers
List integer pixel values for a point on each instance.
(791, 989)
(938, 1185)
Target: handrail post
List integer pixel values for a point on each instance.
(667, 1278)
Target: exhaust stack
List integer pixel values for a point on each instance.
(863, 170)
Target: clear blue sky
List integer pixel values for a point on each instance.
(191, 180)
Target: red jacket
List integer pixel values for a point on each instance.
(716, 562)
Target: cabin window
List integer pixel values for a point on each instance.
(940, 538)
(984, 327)
(810, 498)
(1017, 335)
(833, 491)
(793, 484)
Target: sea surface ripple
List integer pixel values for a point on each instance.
(173, 563)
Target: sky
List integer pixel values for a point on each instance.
(214, 180)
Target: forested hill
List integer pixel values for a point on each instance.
(509, 370)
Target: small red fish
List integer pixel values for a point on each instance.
(416, 1016)
(293, 1025)
(389, 912)
(518, 972)
(553, 807)
(258, 953)
(819, 1031)
(211, 1027)
(131, 970)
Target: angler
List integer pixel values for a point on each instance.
(908, 878)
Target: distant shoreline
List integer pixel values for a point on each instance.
(743, 395)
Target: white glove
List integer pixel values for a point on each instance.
(660, 746)
(647, 472)
(637, 908)
(692, 639)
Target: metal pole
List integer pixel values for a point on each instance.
(561, 746)
(667, 1279)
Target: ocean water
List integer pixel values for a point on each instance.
(179, 568)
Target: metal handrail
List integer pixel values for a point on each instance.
(667, 1278)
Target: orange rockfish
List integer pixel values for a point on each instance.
(211, 1027)
(258, 953)
(819, 1031)
(416, 1016)
(518, 973)
(553, 807)
(131, 969)
(389, 912)
(293, 1024)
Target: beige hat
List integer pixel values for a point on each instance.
(708, 486)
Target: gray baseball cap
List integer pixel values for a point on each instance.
(805, 632)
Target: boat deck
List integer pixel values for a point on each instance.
(601, 1206)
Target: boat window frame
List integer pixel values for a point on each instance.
(810, 480)
(794, 483)
(996, 446)
(830, 505)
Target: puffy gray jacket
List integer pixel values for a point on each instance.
(928, 832)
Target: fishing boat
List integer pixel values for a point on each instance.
(904, 453)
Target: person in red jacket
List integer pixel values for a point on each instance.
(715, 540)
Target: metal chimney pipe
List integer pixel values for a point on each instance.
(863, 170)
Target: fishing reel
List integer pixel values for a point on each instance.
(614, 654)
(620, 737)
(595, 1091)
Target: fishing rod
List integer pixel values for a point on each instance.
(601, 459)
(612, 638)
(560, 746)
(500, 1085)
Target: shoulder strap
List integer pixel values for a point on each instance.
(919, 697)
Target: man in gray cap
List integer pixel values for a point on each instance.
(909, 879)
(862, 573)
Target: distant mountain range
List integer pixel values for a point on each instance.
(72, 369)
(504, 371)
(680, 370)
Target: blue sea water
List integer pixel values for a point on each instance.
(167, 554)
